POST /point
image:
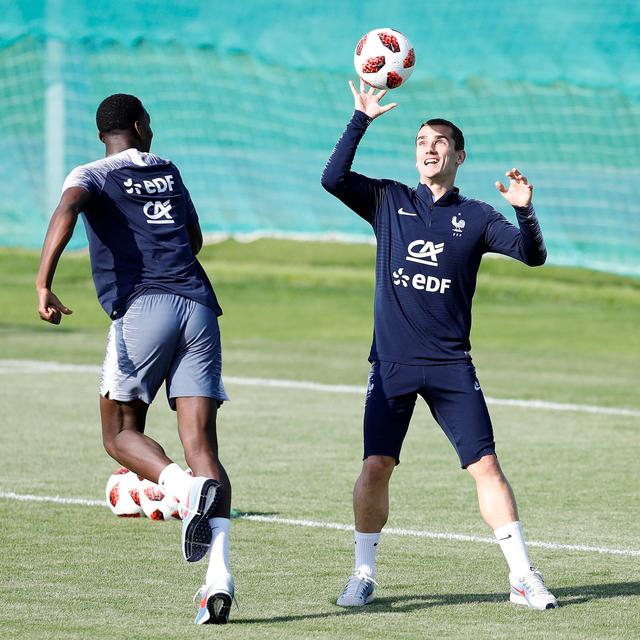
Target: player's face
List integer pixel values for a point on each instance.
(143, 129)
(436, 157)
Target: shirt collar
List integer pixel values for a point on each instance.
(424, 193)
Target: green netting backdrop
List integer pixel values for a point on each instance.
(249, 97)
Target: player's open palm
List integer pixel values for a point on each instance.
(369, 101)
(519, 192)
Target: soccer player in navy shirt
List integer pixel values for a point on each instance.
(430, 241)
(144, 235)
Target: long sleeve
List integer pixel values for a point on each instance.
(358, 192)
(524, 243)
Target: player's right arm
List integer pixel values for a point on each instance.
(358, 192)
(61, 226)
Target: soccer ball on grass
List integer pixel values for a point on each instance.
(156, 504)
(123, 493)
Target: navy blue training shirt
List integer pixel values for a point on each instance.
(428, 256)
(137, 221)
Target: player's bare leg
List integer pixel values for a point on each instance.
(371, 510)
(197, 429)
(498, 508)
(495, 497)
(371, 494)
(123, 437)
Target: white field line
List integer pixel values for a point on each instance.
(25, 497)
(10, 367)
(316, 524)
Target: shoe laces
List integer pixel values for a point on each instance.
(534, 583)
(358, 582)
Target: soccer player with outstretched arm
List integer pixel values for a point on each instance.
(430, 240)
(144, 235)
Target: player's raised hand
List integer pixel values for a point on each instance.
(50, 308)
(369, 101)
(519, 193)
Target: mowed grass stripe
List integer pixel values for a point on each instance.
(37, 366)
(315, 524)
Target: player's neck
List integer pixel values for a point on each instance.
(117, 143)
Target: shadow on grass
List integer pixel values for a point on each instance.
(567, 596)
(578, 595)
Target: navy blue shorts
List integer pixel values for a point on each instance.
(453, 394)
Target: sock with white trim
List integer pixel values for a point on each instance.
(366, 547)
(175, 482)
(219, 571)
(511, 540)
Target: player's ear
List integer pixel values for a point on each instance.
(462, 156)
(101, 136)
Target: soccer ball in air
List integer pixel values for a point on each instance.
(384, 58)
(156, 504)
(123, 493)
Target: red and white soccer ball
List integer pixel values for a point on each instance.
(384, 58)
(123, 493)
(156, 504)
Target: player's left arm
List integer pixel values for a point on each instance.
(61, 226)
(525, 242)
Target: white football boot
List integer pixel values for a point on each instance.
(214, 602)
(358, 591)
(530, 591)
(196, 532)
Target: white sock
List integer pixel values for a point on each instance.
(219, 570)
(366, 547)
(511, 539)
(175, 482)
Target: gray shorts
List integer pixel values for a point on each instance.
(163, 337)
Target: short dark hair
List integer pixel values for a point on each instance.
(458, 138)
(119, 112)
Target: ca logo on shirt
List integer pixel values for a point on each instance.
(157, 212)
(424, 252)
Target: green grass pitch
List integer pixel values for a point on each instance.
(302, 311)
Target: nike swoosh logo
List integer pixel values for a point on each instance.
(520, 592)
(505, 538)
(402, 212)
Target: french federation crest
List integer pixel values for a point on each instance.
(458, 225)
